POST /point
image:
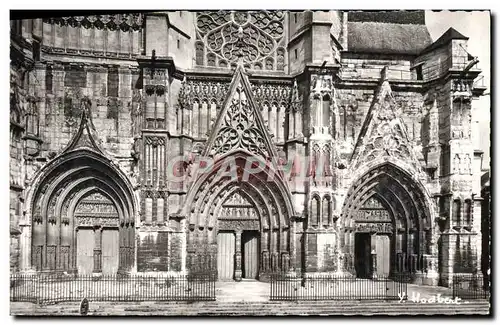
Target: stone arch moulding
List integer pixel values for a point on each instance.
(265, 190)
(403, 196)
(49, 222)
(418, 179)
(56, 193)
(267, 177)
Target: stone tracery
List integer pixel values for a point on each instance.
(239, 128)
(257, 36)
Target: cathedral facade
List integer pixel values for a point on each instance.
(246, 143)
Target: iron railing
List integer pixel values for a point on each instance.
(42, 288)
(471, 286)
(291, 286)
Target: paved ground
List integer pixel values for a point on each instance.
(246, 290)
(252, 298)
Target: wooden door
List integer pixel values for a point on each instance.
(250, 255)
(226, 246)
(85, 251)
(383, 250)
(110, 251)
(362, 255)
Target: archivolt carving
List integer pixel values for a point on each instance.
(98, 222)
(96, 204)
(257, 36)
(374, 227)
(236, 200)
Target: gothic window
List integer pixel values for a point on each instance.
(211, 60)
(315, 211)
(468, 212)
(327, 211)
(113, 80)
(148, 211)
(68, 106)
(150, 109)
(256, 36)
(326, 111)
(280, 59)
(456, 213)
(48, 80)
(199, 53)
(154, 111)
(445, 160)
(75, 77)
(327, 169)
(314, 162)
(343, 121)
(269, 64)
(32, 121)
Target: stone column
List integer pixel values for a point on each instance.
(237, 257)
(265, 265)
(432, 259)
(446, 256)
(374, 255)
(25, 248)
(137, 243)
(98, 251)
(183, 245)
(293, 249)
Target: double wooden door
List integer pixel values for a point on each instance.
(226, 251)
(365, 245)
(86, 241)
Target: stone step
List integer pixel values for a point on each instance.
(260, 309)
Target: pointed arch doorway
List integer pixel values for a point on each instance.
(239, 228)
(386, 226)
(83, 217)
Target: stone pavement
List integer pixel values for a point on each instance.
(251, 298)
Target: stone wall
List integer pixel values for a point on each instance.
(79, 59)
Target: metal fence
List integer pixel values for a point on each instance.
(471, 286)
(337, 287)
(40, 288)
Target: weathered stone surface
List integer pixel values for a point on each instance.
(151, 114)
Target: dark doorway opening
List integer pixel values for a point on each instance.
(363, 257)
(250, 252)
